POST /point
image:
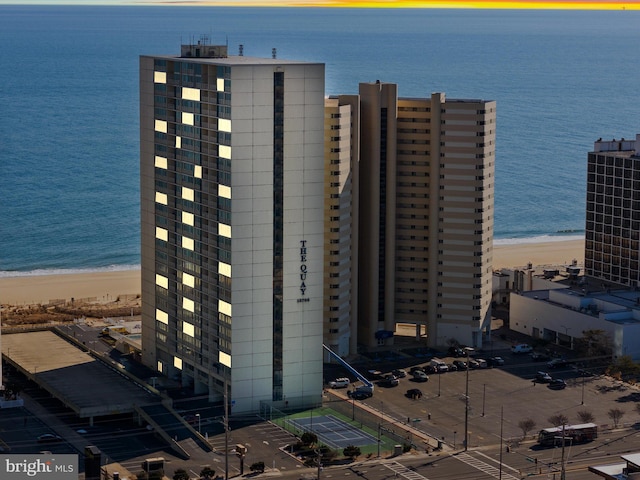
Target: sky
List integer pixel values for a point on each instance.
(506, 4)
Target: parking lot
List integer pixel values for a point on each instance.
(499, 397)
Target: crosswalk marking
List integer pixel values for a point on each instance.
(484, 467)
(403, 471)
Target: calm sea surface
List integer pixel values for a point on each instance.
(69, 194)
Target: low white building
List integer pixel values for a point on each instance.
(563, 315)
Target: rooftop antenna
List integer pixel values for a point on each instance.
(273, 53)
(241, 50)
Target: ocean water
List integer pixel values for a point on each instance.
(69, 193)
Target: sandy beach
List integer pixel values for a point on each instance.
(102, 286)
(107, 286)
(557, 253)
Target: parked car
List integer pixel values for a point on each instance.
(482, 363)
(460, 365)
(342, 382)
(557, 363)
(542, 377)
(439, 365)
(495, 361)
(521, 348)
(430, 369)
(414, 368)
(399, 373)
(456, 352)
(452, 367)
(420, 376)
(414, 393)
(473, 363)
(540, 357)
(389, 381)
(191, 419)
(49, 438)
(359, 394)
(557, 384)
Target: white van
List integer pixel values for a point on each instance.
(439, 365)
(521, 348)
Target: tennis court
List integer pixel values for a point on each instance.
(333, 432)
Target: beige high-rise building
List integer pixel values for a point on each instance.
(341, 223)
(425, 226)
(232, 200)
(612, 232)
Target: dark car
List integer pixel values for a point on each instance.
(452, 367)
(495, 361)
(542, 377)
(430, 369)
(473, 363)
(460, 364)
(456, 352)
(557, 363)
(540, 357)
(414, 393)
(557, 384)
(49, 438)
(399, 373)
(359, 394)
(389, 381)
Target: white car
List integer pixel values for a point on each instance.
(340, 383)
(420, 376)
(521, 348)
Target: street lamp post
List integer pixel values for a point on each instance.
(484, 390)
(466, 404)
(439, 377)
(353, 409)
(199, 424)
(501, 421)
(582, 402)
(379, 425)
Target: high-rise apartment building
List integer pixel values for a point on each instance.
(425, 216)
(342, 142)
(232, 224)
(612, 231)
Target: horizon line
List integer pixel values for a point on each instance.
(357, 4)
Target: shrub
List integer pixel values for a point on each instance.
(585, 416)
(351, 451)
(180, 474)
(526, 426)
(308, 438)
(559, 419)
(207, 473)
(615, 414)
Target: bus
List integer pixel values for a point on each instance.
(585, 432)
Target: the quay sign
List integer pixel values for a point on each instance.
(303, 272)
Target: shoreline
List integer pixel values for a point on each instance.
(106, 285)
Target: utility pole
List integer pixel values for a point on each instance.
(501, 418)
(466, 405)
(563, 472)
